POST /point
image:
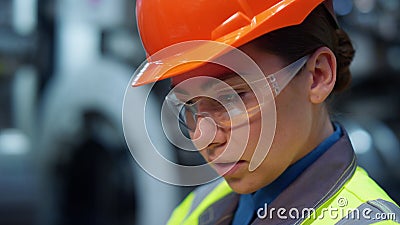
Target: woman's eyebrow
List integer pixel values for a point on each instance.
(209, 84)
(224, 78)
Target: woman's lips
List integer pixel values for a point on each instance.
(226, 169)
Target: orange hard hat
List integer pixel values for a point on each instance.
(166, 23)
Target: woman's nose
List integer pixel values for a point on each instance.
(205, 132)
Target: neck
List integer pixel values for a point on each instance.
(320, 129)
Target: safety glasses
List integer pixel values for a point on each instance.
(228, 105)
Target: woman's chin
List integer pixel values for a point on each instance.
(241, 186)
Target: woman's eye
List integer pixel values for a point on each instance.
(226, 98)
(233, 97)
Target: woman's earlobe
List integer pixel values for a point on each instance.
(323, 69)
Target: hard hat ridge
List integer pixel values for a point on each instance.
(164, 23)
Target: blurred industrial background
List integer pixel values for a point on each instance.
(64, 66)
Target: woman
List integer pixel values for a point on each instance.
(293, 164)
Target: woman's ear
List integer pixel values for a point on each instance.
(322, 67)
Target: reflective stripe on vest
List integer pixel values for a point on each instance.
(371, 212)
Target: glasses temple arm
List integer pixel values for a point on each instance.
(280, 79)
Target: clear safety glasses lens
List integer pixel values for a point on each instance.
(229, 107)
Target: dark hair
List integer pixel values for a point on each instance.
(317, 30)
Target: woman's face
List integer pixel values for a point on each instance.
(293, 134)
